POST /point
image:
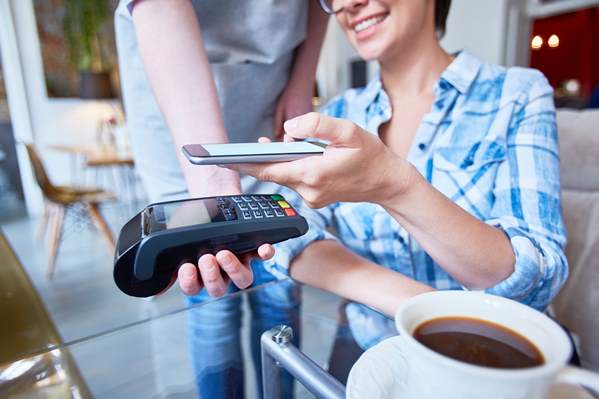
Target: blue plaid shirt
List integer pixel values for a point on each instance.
(490, 145)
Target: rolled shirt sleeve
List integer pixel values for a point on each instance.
(318, 221)
(527, 201)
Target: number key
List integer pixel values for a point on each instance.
(279, 212)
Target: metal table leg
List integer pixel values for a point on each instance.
(279, 353)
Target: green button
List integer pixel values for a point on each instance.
(277, 197)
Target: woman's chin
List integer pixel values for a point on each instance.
(369, 54)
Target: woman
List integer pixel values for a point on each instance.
(441, 174)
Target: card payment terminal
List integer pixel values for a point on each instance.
(155, 242)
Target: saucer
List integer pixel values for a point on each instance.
(381, 371)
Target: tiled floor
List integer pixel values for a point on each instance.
(83, 301)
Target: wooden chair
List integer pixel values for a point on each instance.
(59, 200)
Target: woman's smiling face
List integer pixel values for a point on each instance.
(379, 29)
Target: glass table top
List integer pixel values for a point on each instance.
(204, 349)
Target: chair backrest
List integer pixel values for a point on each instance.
(41, 177)
(576, 305)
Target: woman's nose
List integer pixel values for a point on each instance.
(353, 5)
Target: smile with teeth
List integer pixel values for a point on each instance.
(367, 23)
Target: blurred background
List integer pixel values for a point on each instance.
(45, 58)
(68, 181)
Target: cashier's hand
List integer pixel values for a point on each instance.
(356, 166)
(296, 99)
(215, 272)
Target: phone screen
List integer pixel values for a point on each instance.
(243, 149)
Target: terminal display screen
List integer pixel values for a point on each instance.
(180, 214)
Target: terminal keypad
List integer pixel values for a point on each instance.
(260, 207)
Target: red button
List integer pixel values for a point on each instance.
(289, 212)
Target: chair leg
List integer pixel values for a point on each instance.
(55, 236)
(41, 228)
(101, 224)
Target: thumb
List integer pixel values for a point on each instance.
(315, 125)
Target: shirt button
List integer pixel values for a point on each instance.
(422, 146)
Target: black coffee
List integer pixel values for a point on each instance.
(478, 342)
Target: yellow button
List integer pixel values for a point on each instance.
(283, 204)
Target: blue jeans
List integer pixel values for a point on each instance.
(214, 333)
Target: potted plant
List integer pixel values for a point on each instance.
(83, 23)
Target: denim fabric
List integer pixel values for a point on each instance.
(215, 336)
(489, 144)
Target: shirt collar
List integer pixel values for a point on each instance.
(372, 91)
(460, 74)
(462, 71)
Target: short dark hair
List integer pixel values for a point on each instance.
(441, 12)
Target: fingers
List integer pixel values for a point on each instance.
(210, 271)
(240, 274)
(266, 251)
(313, 124)
(284, 173)
(252, 169)
(188, 279)
(211, 275)
(288, 139)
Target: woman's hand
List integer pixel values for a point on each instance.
(356, 166)
(296, 99)
(214, 271)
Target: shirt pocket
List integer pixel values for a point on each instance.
(470, 159)
(466, 175)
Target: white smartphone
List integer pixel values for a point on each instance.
(219, 154)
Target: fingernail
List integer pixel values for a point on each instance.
(290, 124)
(227, 258)
(188, 273)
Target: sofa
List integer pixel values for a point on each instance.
(577, 305)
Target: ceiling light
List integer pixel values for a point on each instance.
(537, 42)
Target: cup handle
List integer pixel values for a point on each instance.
(577, 376)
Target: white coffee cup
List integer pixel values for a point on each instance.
(412, 370)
